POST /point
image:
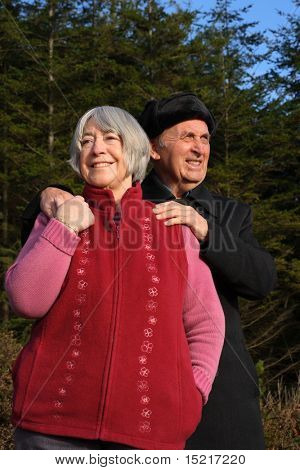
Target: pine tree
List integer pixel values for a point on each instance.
(279, 189)
(62, 57)
(12, 107)
(224, 52)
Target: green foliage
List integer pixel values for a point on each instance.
(57, 59)
(260, 369)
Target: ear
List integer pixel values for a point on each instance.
(154, 151)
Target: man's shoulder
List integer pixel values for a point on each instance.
(223, 204)
(228, 200)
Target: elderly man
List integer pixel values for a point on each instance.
(179, 128)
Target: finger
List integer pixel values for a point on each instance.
(91, 219)
(180, 219)
(172, 212)
(165, 204)
(60, 199)
(174, 221)
(175, 209)
(51, 209)
(48, 212)
(76, 202)
(159, 207)
(45, 207)
(169, 207)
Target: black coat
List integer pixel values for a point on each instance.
(240, 267)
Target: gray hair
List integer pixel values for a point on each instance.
(135, 142)
(159, 141)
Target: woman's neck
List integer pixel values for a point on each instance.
(121, 189)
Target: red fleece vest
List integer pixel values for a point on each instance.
(110, 360)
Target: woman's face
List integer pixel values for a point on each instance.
(102, 161)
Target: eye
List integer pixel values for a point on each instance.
(87, 141)
(204, 139)
(188, 137)
(111, 137)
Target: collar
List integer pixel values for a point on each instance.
(156, 191)
(103, 199)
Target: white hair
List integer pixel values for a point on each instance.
(135, 142)
(159, 141)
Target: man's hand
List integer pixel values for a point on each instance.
(75, 214)
(179, 214)
(51, 199)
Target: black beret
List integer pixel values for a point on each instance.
(159, 115)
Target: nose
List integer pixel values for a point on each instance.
(197, 145)
(98, 146)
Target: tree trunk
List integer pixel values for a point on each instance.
(150, 36)
(94, 33)
(4, 306)
(225, 86)
(5, 202)
(51, 78)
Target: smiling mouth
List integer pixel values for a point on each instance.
(102, 164)
(194, 163)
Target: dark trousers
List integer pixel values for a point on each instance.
(29, 440)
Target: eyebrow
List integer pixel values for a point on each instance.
(206, 134)
(103, 132)
(87, 133)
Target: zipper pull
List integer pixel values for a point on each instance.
(118, 230)
(117, 221)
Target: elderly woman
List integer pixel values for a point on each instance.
(127, 340)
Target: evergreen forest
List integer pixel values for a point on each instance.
(58, 58)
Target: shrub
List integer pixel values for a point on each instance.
(8, 352)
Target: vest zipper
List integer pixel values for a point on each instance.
(118, 230)
(114, 322)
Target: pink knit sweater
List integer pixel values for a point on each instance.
(33, 284)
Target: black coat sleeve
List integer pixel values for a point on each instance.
(33, 209)
(236, 257)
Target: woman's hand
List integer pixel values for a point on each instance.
(179, 214)
(75, 214)
(51, 199)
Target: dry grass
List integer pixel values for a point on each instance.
(9, 349)
(281, 414)
(281, 409)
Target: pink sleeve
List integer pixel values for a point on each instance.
(203, 317)
(34, 281)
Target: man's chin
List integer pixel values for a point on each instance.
(195, 177)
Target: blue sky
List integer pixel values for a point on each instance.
(264, 11)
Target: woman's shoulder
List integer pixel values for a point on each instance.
(148, 203)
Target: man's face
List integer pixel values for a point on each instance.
(181, 162)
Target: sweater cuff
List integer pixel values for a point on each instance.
(61, 237)
(203, 382)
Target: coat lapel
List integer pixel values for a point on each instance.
(199, 198)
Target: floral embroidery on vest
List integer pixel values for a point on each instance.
(75, 343)
(145, 414)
